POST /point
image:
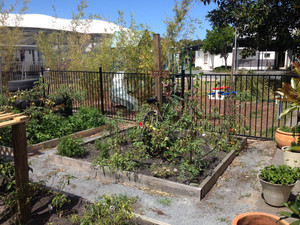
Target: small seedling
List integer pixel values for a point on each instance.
(165, 201)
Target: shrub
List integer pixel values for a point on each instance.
(70, 147)
(222, 69)
(86, 118)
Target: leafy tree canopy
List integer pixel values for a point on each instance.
(219, 41)
(266, 24)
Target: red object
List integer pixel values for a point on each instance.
(140, 124)
(221, 88)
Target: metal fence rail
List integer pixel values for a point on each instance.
(110, 92)
(255, 109)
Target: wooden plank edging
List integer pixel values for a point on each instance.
(145, 181)
(54, 142)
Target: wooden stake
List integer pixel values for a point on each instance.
(21, 170)
(157, 67)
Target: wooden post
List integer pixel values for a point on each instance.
(21, 170)
(157, 67)
(1, 79)
(231, 84)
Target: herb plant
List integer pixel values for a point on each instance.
(281, 174)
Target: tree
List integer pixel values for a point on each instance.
(10, 36)
(219, 41)
(129, 49)
(180, 27)
(266, 24)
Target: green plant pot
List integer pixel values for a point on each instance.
(275, 194)
(290, 158)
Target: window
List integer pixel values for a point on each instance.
(267, 55)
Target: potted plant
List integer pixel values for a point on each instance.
(285, 135)
(289, 92)
(277, 183)
(294, 207)
(291, 154)
(254, 218)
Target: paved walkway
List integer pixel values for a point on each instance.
(237, 190)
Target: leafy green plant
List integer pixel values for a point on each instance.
(291, 91)
(102, 146)
(114, 209)
(7, 175)
(58, 201)
(294, 213)
(281, 174)
(286, 129)
(86, 118)
(70, 147)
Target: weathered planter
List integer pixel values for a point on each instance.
(144, 181)
(290, 158)
(275, 194)
(284, 138)
(257, 218)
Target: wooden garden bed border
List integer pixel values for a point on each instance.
(144, 181)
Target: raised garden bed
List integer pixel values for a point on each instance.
(43, 213)
(87, 135)
(195, 191)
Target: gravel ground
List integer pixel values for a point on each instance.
(237, 190)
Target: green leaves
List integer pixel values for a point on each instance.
(294, 207)
(265, 24)
(281, 174)
(114, 209)
(219, 41)
(70, 147)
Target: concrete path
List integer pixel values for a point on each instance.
(237, 190)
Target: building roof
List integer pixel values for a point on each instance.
(51, 23)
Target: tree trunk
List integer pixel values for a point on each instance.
(225, 58)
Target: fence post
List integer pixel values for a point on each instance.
(101, 90)
(157, 66)
(1, 82)
(43, 78)
(182, 82)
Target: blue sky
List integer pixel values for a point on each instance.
(150, 12)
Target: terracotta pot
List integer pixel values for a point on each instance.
(290, 158)
(275, 194)
(284, 138)
(257, 218)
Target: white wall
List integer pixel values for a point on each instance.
(261, 61)
(208, 61)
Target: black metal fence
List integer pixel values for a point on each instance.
(254, 107)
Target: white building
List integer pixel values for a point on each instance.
(262, 60)
(27, 55)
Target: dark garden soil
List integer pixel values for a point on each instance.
(211, 160)
(41, 212)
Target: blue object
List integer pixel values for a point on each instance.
(228, 93)
(213, 93)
